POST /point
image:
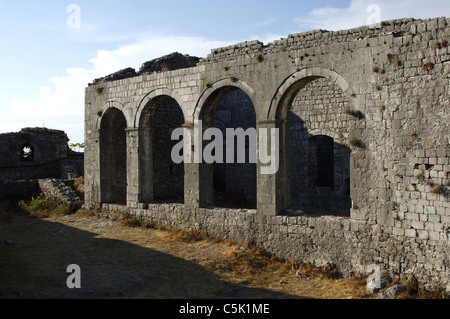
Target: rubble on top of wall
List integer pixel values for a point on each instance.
(170, 62)
(119, 75)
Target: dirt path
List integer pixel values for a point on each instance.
(123, 262)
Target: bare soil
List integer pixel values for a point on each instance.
(120, 262)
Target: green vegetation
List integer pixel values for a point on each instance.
(136, 222)
(42, 207)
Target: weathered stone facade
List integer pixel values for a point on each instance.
(364, 132)
(33, 154)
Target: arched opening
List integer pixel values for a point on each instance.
(319, 157)
(113, 157)
(161, 180)
(233, 180)
(27, 153)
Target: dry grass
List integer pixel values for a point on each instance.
(259, 57)
(354, 142)
(188, 236)
(223, 263)
(98, 89)
(255, 268)
(440, 45)
(128, 220)
(78, 187)
(247, 264)
(164, 68)
(232, 79)
(354, 113)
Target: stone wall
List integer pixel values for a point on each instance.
(320, 125)
(32, 154)
(373, 100)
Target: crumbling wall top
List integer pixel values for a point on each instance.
(170, 62)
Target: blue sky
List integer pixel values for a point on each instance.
(48, 54)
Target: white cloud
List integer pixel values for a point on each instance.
(62, 106)
(359, 13)
(268, 37)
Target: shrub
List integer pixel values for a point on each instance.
(232, 79)
(440, 45)
(135, 222)
(354, 113)
(437, 189)
(42, 207)
(428, 66)
(98, 90)
(354, 142)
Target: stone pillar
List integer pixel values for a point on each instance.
(198, 177)
(272, 183)
(145, 167)
(92, 192)
(132, 167)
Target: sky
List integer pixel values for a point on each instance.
(51, 49)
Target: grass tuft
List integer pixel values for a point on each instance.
(129, 220)
(428, 66)
(41, 207)
(232, 79)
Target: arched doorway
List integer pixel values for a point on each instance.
(113, 157)
(319, 124)
(233, 181)
(160, 179)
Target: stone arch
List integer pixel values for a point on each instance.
(160, 179)
(229, 104)
(112, 105)
(315, 152)
(113, 157)
(157, 94)
(216, 91)
(288, 90)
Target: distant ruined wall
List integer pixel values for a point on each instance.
(33, 154)
(363, 116)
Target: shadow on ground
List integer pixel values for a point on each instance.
(35, 254)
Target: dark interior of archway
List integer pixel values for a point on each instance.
(235, 183)
(168, 177)
(319, 177)
(113, 158)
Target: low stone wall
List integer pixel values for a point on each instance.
(60, 192)
(348, 245)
